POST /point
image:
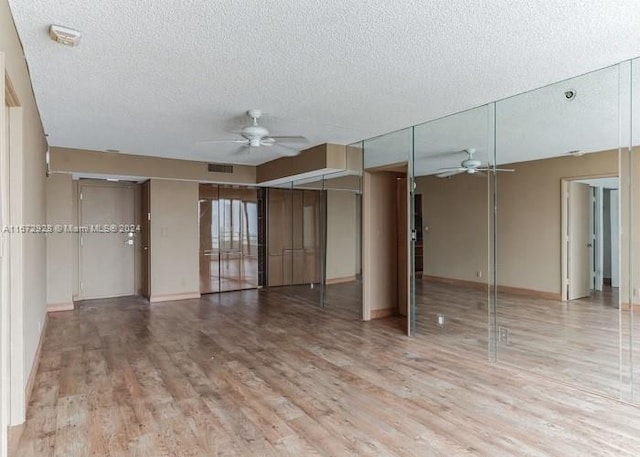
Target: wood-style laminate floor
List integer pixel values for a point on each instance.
(575, 342)
(268, 373)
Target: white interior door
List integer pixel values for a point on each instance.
(107, 259)
(615, 238)
(579, 241)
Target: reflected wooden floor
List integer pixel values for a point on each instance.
(575, 342)
(228, 274)
(269, 373)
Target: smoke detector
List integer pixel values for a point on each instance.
(570, 94)
(64, 35)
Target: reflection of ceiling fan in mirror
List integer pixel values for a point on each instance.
(469, 165)
(255, 136)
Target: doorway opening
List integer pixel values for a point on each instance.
(590, 227)
(386, 244)
(418, 254)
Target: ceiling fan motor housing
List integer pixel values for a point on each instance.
(254, 132)
(471, 163)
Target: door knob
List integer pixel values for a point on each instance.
(589, 245)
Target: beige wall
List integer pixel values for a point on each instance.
(529, 221)
(31, 203)
(455, 212)
(341, 235)
(630, 227)
(329, 157)
(174, 240)
(60, 246)
(110, 163)
(379, 244)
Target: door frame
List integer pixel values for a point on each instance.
(564, 233)
(145, 239)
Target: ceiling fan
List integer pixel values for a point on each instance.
(469, 165)
(255, 136)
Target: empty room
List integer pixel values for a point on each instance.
(330, 229)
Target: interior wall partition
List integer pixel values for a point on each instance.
(454, 176)
(388, 228)
(530, 207)
(564, 143)
(342, 261)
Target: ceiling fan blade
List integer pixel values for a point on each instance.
(494, 169)
(419, 156)
(240, 141)
(289, 138)
(447, 173)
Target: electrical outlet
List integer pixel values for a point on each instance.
(440, 320)
(503, 335)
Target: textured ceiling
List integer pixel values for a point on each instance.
(534, 125)
(153, 77)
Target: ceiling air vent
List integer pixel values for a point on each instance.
(220, 168)
(64, 35)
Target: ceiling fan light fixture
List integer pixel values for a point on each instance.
(255, 136)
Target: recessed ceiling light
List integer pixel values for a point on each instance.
(64, 35)
(570, 94)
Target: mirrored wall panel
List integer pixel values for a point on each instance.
(453, 171)
(387, 221)
(343, 258)
(559, 217)
(228, 238)
(630, 303)
(295, 231)
(520, 221)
